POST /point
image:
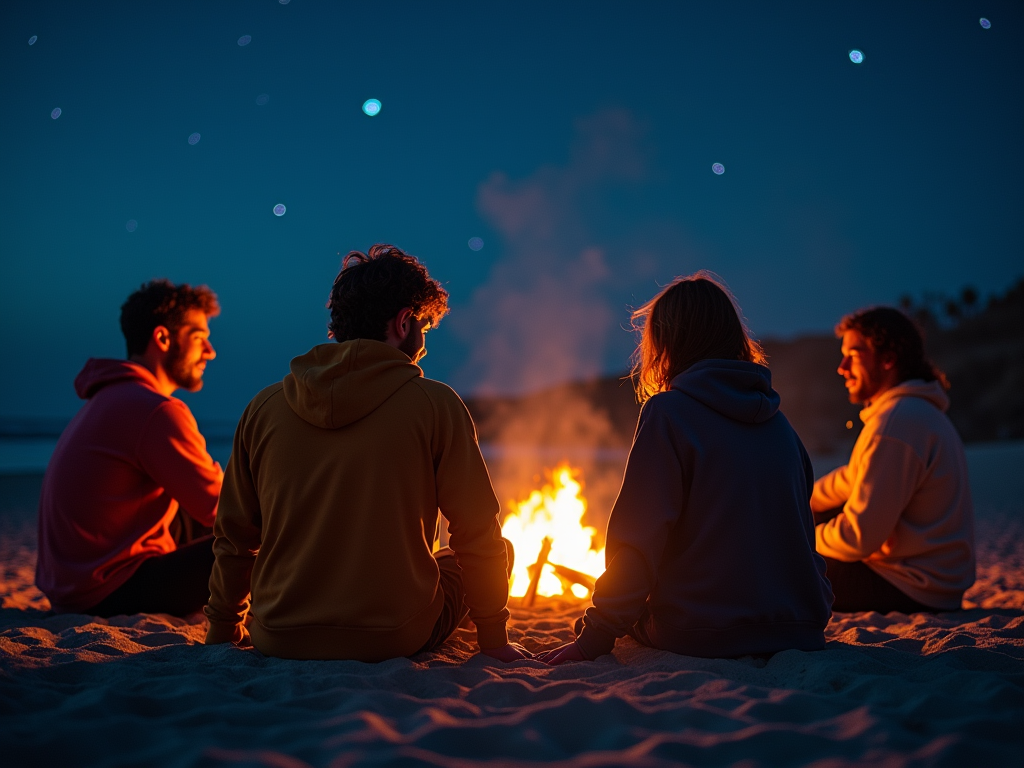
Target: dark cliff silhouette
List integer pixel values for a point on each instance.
(981, 349)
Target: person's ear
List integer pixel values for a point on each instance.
(161, 338)
(888, 361)
(403, 322)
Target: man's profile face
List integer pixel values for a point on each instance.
(863, 369)
(190, 350)
(415, 344)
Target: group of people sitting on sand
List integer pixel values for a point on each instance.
(720, 542)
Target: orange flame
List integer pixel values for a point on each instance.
(555, 512)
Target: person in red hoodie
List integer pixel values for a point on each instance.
(126, 463)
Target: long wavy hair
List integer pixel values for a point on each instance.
(693, 318)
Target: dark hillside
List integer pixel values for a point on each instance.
(981, 351)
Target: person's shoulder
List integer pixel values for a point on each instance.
(444, 400)
(911, 414)
(264, 396)
(666, 403)
(437, 390)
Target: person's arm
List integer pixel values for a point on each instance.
(647, 508)
(884, 482)
(466, 499)
(238, 532)
(173, 452)
(831, 490)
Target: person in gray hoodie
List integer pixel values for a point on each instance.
(710, 544)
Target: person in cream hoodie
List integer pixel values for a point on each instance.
(896, 524)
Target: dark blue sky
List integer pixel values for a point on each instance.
(576, 139)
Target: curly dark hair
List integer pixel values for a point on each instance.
(372, 287)
(888, 330)
(161, 302)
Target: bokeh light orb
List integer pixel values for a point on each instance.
(279, 210)
(56, 113)
(718, 168)
(857, 57)
(371, 107)
(985, 24)
(32, 40)
(193, 139)
(262, 99)
(245, 39)
(475, 243)
(132, 225)
(284, 2)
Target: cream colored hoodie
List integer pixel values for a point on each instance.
(906, 501)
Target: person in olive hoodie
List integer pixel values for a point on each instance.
(330, 503)
(710, 546)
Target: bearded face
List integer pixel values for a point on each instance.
(189, 351)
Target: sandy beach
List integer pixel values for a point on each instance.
(894, 690)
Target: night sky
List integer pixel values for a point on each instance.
(575, 139)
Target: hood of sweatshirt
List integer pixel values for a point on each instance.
(99, 372)
(336, 384)
(736, 389)
(931, 391)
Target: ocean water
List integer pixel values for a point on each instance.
(996, 479)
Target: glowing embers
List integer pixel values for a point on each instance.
(718, 169)
(193, 139)
(280, 210)
(245, 40)
(546, 529)
(32, 40)
(262, 99)
(371, 107)
(475, 243)
(56, 113)
(132, 225)
(985, 24)
(857, 57)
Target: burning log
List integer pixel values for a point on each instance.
(553, 512)
(575, 577)
(535, 571)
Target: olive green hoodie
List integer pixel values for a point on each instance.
(330, 507)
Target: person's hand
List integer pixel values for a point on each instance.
(508, 652)
(562, 654)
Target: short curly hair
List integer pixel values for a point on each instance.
(888, 330)
(161, 302)
(372, 287)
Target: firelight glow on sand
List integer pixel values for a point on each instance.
(857, 57)
(193, 139)
(371, 107)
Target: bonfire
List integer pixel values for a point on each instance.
(555, 553)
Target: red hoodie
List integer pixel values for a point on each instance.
(114, 482)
